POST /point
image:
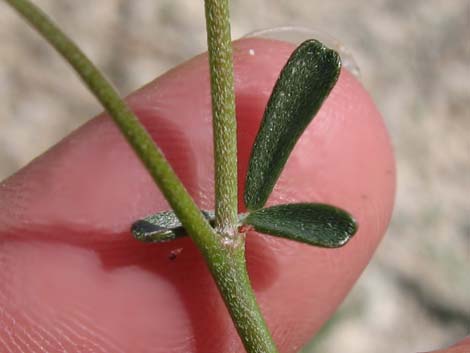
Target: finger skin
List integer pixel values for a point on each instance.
(73, 279)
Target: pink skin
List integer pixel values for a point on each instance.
(73, 279)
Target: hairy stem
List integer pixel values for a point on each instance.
(223, 115)
(229, 270)
(153, 159)
(226, 260)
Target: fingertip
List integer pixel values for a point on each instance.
(93, 184)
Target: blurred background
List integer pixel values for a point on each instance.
(414, 57)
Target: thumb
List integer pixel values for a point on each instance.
(74, 280)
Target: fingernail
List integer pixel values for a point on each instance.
(297, 35)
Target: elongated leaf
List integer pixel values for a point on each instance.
(162, 227)
(311, 223)
(304, 83)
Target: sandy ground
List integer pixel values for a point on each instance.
(414, 57)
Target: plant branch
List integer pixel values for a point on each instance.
(153, 159)
(223, 115)
(225, 260)
(229, 271)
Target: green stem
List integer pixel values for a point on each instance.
(223, 115)
(228, 267)
(229, 270)
(161, 171)
(226, 259)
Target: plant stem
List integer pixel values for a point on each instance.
(153, 159)
(223, 115)
(229, 268)
(226, 260)
(229, 271)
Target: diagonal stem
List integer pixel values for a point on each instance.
(153, 159)
(225, 260)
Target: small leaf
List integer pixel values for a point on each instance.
(311, 223)
(304, 83)
(162, 227)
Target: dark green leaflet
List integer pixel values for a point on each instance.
(304, 83)
(311, 223)
(162, 227)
